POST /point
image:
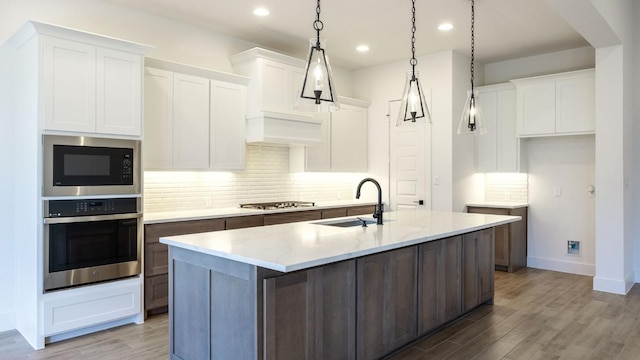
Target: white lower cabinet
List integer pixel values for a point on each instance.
(193, 121)
(74, 309)
(558, 104)
(499, 149)
(343, 147)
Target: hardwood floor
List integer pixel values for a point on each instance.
(537, 314)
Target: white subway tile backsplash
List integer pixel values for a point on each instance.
(509, 187)
(266, 178)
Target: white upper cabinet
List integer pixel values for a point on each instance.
(349, 139)
(499, 149)
(227, 126)
(158, 113)
(194, 118)
(90, 88)
(69, 85)
(118, 92)
(559, 104)
(344, 145)
(190, 122)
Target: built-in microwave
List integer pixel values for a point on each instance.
(81, 165)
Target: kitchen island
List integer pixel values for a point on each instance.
(321, 290)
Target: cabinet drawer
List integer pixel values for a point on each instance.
(333, 213)
(487, 210)
(244, 222)
(283, 218)
(361, 210)
(153, 232)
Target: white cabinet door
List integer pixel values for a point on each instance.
(558, 104)
(508, 144)
(575, 105)
(536, 109)
(190, 122)
(349, 139)
(119, 92)
(227, 126)
(499, 149)
(318, 158)
(486, 145)
(69, 85)
(158, 119)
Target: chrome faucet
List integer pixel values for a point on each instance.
(378, 214)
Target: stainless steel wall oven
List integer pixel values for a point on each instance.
(91, 240)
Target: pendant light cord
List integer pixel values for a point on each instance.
(413, 60)
(473, 21)
(318, 25)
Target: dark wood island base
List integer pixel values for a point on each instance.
(364, 308)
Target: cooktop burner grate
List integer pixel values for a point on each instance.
(278, 205)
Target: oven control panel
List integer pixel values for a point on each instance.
(89, 207)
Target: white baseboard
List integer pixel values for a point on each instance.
(7, 320)
(615, 286)
(561, 266)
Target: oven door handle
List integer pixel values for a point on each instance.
(75, 219)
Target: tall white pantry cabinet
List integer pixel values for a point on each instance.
(66, 82)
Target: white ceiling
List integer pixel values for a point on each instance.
(505, 29)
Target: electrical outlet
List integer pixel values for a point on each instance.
(573, 247)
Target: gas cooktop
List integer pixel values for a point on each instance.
(278, 205)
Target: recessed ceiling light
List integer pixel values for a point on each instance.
(445, 26)
(362, 48)
(260, 12)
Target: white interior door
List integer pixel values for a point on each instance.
(409, 162)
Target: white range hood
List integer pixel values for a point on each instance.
(283, 129)
(275, 84)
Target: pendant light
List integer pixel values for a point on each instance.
(471, 122)
(318, 90)
(413, 105)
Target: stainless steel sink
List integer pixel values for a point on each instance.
(347, 222)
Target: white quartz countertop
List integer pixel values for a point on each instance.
(498, 204)
(184, 215)
(301, 245)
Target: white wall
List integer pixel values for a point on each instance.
(464, 187)
(7, 263)
(567, 163)
(635, 176)
(383, 83)
(560, 61)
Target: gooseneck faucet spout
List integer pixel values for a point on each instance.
(378, 213)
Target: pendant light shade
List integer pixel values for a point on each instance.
(318, 89)
(471, 122)
(413, 106)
